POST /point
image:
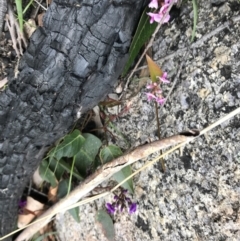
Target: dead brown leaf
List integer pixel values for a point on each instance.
(32, 210)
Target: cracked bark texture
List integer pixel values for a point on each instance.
(70, 65)
(3, 11)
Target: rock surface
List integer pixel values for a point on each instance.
(198, 197)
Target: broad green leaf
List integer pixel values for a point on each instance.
(87, 154)
(68, 168)
(106, 224)
(121, 175)
(57, 169)
(110, 152)
(59, 166)
(75, 214)
(63, 188)
(47, 174)
(154, 69)
(69, 147)
(143, 34)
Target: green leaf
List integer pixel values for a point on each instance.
(106, 224)
(62, 165)
(63, 188)
(195, 17)
(121, 175)
(86, 156)
(154, 69)
(143, 34)
(19, 13)
(110, 152)
(69, 147)
(47, 174)
(68, 168)
(75, 214)
(57, 169)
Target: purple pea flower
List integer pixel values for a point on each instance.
(132, 208)
(110, 208)
(155, 89)
(151, 96)
(164, 78)
(120, 202)
(157, 17)
(154, 17)
(160, 101)
(153, 4)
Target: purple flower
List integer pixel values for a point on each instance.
(120, 202)
(22, 204)
(154, 17)
(164, 78)
(153, 4)
(110, 208)
(157, 17)
(162, 12)
(133, 208)
(150, 96)
(160, 100)
(152, 85)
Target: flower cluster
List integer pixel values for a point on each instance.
(120, 202)
(156, 92)
(157, 17)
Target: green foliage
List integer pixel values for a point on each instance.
(106, 224)
(121, 175)
(73, 157)
(21, 12)
(195, 17)
(70, 146)
(87, 154)
(110, 152)
(61, 166)
(47, 174)
(143, 34)
(63, 189)
(75, 214)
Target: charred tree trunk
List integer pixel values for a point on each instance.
(70, 65)
(3, 11)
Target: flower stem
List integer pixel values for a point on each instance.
(159, 136)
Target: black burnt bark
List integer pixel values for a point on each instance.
(71, 64)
